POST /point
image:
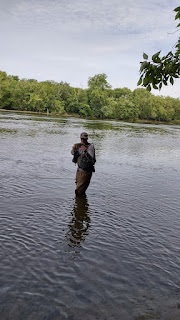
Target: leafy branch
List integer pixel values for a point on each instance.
(160, 71)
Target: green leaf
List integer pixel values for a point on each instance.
(177, 9)
(172, 80)
(177, 16)
(155, 56)
(143, 65)
(160, 86)
(145, 56)
(148, 88)
(155, 87)
(139, 82)
(146, 80)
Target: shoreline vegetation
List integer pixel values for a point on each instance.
(68, 115)
(98, 101)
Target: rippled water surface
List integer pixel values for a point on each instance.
(114, 254)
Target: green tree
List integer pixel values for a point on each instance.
(159, 110)
(108, 109)
(168, 106)
(98, 82)
(65, 93)
(97, 101)
(72, 105)
(161, 70)
(121, 92)
(82, 96)
(84, 110)
(35, 102)
(142, 99)
(99, 96)
(20, 95)
(126, 109)
(7, 87)
(176, 109)
(58, 106)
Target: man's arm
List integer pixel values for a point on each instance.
(90, 153)
(75, 147)
(72, 151)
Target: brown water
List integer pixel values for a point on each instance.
(112, 255)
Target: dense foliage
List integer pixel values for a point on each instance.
(98, 100)
(160, 71)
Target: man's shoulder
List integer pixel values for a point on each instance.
(91, 145)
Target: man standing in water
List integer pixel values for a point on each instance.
(84, 156)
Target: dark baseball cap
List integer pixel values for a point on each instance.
(84, 135)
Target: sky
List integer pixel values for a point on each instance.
(72, 40)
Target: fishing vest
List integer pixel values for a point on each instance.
(84, 161)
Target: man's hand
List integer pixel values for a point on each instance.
(74, 147)
(84, 148)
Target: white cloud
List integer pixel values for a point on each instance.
(115, 15)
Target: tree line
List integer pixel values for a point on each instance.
(98, 100)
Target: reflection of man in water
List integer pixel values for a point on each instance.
(84, 156)
(78, 227)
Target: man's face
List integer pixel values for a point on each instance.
(84, 141)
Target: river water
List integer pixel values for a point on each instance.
(112, 255)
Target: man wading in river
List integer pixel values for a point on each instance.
(84, 156)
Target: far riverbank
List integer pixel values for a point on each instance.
(143, 121)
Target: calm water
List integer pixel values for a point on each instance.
(114, 255)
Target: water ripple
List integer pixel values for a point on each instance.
(113, 254)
